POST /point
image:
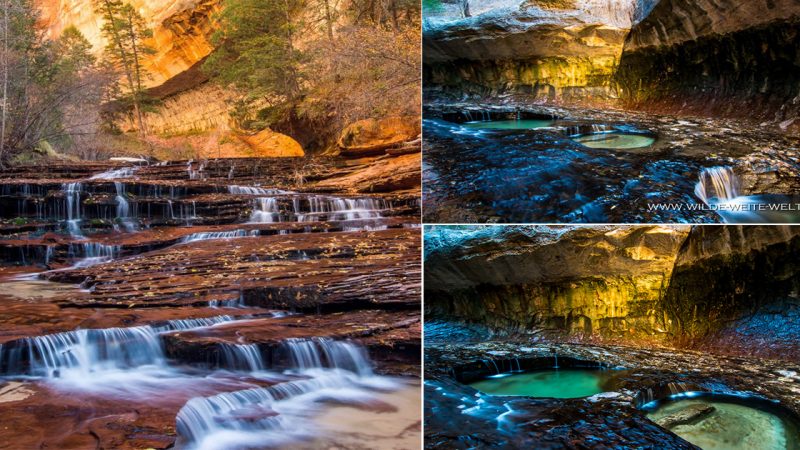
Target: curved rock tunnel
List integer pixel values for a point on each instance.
(683, 324)
(675, 285)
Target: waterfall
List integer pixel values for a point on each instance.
(719, 183)
(124, 172)
(265, 210)
(81, 353)
(92, 253)
(253, 190)
(72, 194)
(189, 324)
(241, 357)
(196, 174)
(335, 208)
(218, 235)
(268, 417)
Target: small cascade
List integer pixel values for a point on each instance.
(82, 353)
(233, 303)
(334, 208)
(719, 183)
(321, 352)
(72, 194)
(124, 172)
(194, 237)
(123, 207)
(198, 173)
(268, 417)
(92, 253)
(245, 357)
(190, 324)
(254, 190)
(265, 210)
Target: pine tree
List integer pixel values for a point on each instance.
(256, 50)
(126, 32)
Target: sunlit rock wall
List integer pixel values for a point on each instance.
(723, 57)
(734, 289)
(181, 30)
(555, 49)
(593, 281)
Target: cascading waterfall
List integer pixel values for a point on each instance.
(254, 190)
(335, 208)
(92, 253)
(321, 352)
(265, 417)
(719, 183)
(124, 172)
(194, 237)
(72, 195)
(242, 357)
(82, 353)
(265, 210)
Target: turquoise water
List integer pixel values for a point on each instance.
(615, 140)
(561, 383)
(732, 427)
(525, 124)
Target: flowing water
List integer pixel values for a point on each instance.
(719, 189)
(240, 395)
(521, 124)
(333, 374)
(561, 383)
(730, 426)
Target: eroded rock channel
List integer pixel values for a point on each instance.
(611, 337)
(209, 304)
(645, 111)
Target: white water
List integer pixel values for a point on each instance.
(93, 253)
(265, 210)
(317, 208)
(340, 374)
(718, 183)
(124, 172)
(72, 195)
(254, 190)
(194, 237)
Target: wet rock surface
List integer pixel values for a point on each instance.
(191, 279)
(458, 416)
(542, 175)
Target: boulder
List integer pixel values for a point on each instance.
(374, 136)
(268, 143)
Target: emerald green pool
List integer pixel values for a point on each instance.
(615, 140)
(554, 383)
(523, 124)
(730, 426)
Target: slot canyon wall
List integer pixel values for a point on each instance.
(681, 285)
(553, 49)
(724, 57)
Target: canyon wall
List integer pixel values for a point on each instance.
(542, 48)
(592, 282)
(722, 57)
(708, 285)
(181, 30)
